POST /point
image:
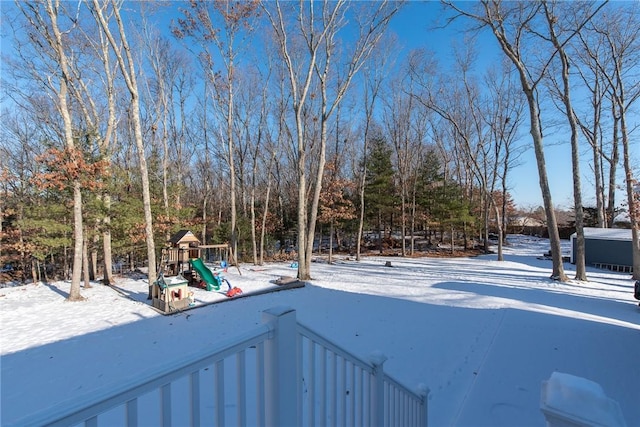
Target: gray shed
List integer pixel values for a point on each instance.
(606, 248)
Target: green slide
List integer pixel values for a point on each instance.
(206, 275)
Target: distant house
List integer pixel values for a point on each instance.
(606, 248)
(525, 221)
(525, 224)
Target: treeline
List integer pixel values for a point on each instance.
(280, 127)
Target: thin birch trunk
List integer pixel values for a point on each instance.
(63, 93)
(581, 272)
(128, 71)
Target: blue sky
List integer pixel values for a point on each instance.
(416, 27)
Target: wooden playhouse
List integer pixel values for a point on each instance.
(182, 246)
(171, 294)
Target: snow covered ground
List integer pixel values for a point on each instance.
(482, 334)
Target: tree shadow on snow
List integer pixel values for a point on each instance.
(554, 297)
(56, 289)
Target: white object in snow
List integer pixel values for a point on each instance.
(570, 401)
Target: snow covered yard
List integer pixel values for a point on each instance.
(482, 334)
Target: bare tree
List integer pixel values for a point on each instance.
(406, 132)
(44, 20)
(319, 26)
(160, 58)
(564, 92)
(99, 125)
(254, 141)
(279, 175)
(373, 78)
(505, 115)
(206, 166)
(127, 66)
(167, 91)
(199, 22)
(621, 32)
(267, 200)
(517, 27)
(474, 132)
(588, 53)
(464, 114)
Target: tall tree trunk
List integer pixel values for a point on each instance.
(85, 263)
(146, 191)
(317, 188)
(330, 242)
(380, 231)
(581, 272)
(52, 12)
(632, 197)
(453, 242)
(105, 154)
(494, 17)
(127, 68)
(486, 206)
(254, 237)
(74, 292)
(232, 168)
(303, 266)
(596, 144)
(93, 260)
(613, 166)
(106, 241)
(361, 213)
(552, 225)
(265, 213)
(264, 222)
(403, 218)
(165, 169)
(413, 218)
(499, 223)
(318, 32)
(599, 187)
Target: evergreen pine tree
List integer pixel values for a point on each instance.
(451, 210)
(428, 177)
(380, 195)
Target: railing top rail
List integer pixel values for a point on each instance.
(78, 409)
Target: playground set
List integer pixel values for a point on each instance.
(171, 291)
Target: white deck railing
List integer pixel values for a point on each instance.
(280, 374)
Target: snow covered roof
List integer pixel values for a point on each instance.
(606, 233)
(622, 217)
